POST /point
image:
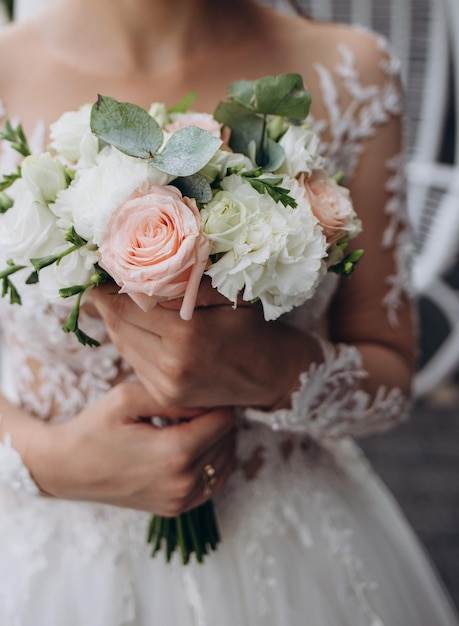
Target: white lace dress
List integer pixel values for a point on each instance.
(313, 538)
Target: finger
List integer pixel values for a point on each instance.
(209, 428)
(117, 309)
(130, 399)
(200, 434)
(220, 459)
(207, 296)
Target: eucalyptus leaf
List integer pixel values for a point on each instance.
(187, 151)
(126, 126)
(283, 95)
(252, 151)
(195, 186)
(246, 126)
(242, 91)
(273, 154)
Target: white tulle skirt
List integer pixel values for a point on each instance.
(315, 540)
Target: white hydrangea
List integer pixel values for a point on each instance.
(97, 192)
(71, 137)
(301, 146)
(274, 253)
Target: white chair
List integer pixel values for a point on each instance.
(424, 35)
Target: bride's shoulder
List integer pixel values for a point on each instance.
(15, 37)
(17, 55)
(314, 42)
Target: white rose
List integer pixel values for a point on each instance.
(222, 220)
(28, 229)
(97, 192)
(71, 136)
(44, 176)
(159, 112)
(73, 269)
(277, 255)
(301, 146)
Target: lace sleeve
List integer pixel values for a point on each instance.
(363, 383)
(331, 403)
(13, 473)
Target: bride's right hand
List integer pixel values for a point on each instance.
(108, 454)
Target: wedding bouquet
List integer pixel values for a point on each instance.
(153, 200)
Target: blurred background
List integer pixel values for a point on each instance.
(420, 460)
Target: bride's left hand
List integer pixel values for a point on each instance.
(222, 356)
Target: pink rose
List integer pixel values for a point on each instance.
(332, 206)
(201, 120)
(154, 250)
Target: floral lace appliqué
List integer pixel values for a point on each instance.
(349, 127)
(13, 473)
(331, 403)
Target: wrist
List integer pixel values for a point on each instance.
(293, 353)
(38, 455)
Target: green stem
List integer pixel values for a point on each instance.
(11, 269)
(182, 542)
(190, 520)
(262, 140)
(171, 538)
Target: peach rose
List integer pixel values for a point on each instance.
(154, 250)
(332, 206)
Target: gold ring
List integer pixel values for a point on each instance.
(209, 478)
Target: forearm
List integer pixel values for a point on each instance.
(21, 437)
(352, 390)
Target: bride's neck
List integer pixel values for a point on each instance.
(142, 36)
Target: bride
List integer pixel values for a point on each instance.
(310, 536)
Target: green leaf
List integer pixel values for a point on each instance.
(11, 268)
(32, 279)
(246, 126)
(282, 95)
(7, 285)
(9, 179)
(242, 91)
(44, 261)
(67, 292)
(195, 186)
(73, 237)
(16, 137)
(271, 187)
(184, 104)
(273, 155)
(5, 202)
(187, 151)
(126, 126)
(15, 298)
(71, 325)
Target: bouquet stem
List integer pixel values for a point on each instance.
(195, 531)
